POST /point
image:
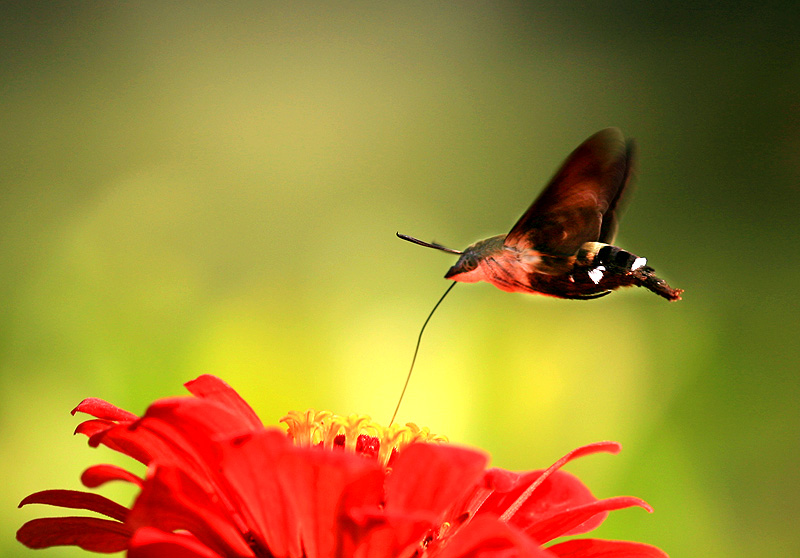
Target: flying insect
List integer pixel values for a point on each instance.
(563, 245)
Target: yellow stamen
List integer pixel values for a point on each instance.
(314, 428)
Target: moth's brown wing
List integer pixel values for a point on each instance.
(608, 230)
(576, 203)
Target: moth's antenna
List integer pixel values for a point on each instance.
(416, 349)
(427, 244)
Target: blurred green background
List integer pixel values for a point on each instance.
(215, 188)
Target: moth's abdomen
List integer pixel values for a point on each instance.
(597, 254)
(614, 256)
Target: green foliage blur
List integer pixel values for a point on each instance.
(215, 188)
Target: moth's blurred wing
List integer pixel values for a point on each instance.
(608, 230)
(580, 202)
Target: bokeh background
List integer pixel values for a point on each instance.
(215, 188)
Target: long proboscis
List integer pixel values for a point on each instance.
(428, 244)
(416, 349)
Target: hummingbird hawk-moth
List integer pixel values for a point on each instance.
(563, 245)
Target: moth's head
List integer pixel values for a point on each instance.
(460, 271)
(468, 267)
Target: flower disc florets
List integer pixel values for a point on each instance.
(355, 433)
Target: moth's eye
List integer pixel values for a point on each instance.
(469, 264)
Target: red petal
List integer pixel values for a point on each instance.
(572, 520)
(89, 533)
(153, 543)
(561, 491)
(185, 432)
(123, 439)
(367, 533)
(94, 426)
(502, 481)
(588, 449)
(488, 537)
(610, 447)
(98, 475)
(78, 500)
(597, 548)
(316, 481)
(174, 431)
(212, 388)
(430, 478)
(171, 500)
(194, 425)
(249, 467)
(204, 415)
(103, 410)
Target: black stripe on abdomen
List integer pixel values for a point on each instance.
(613, 256)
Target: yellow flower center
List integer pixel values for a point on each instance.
(355, 433)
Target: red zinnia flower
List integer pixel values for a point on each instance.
(220, 484)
